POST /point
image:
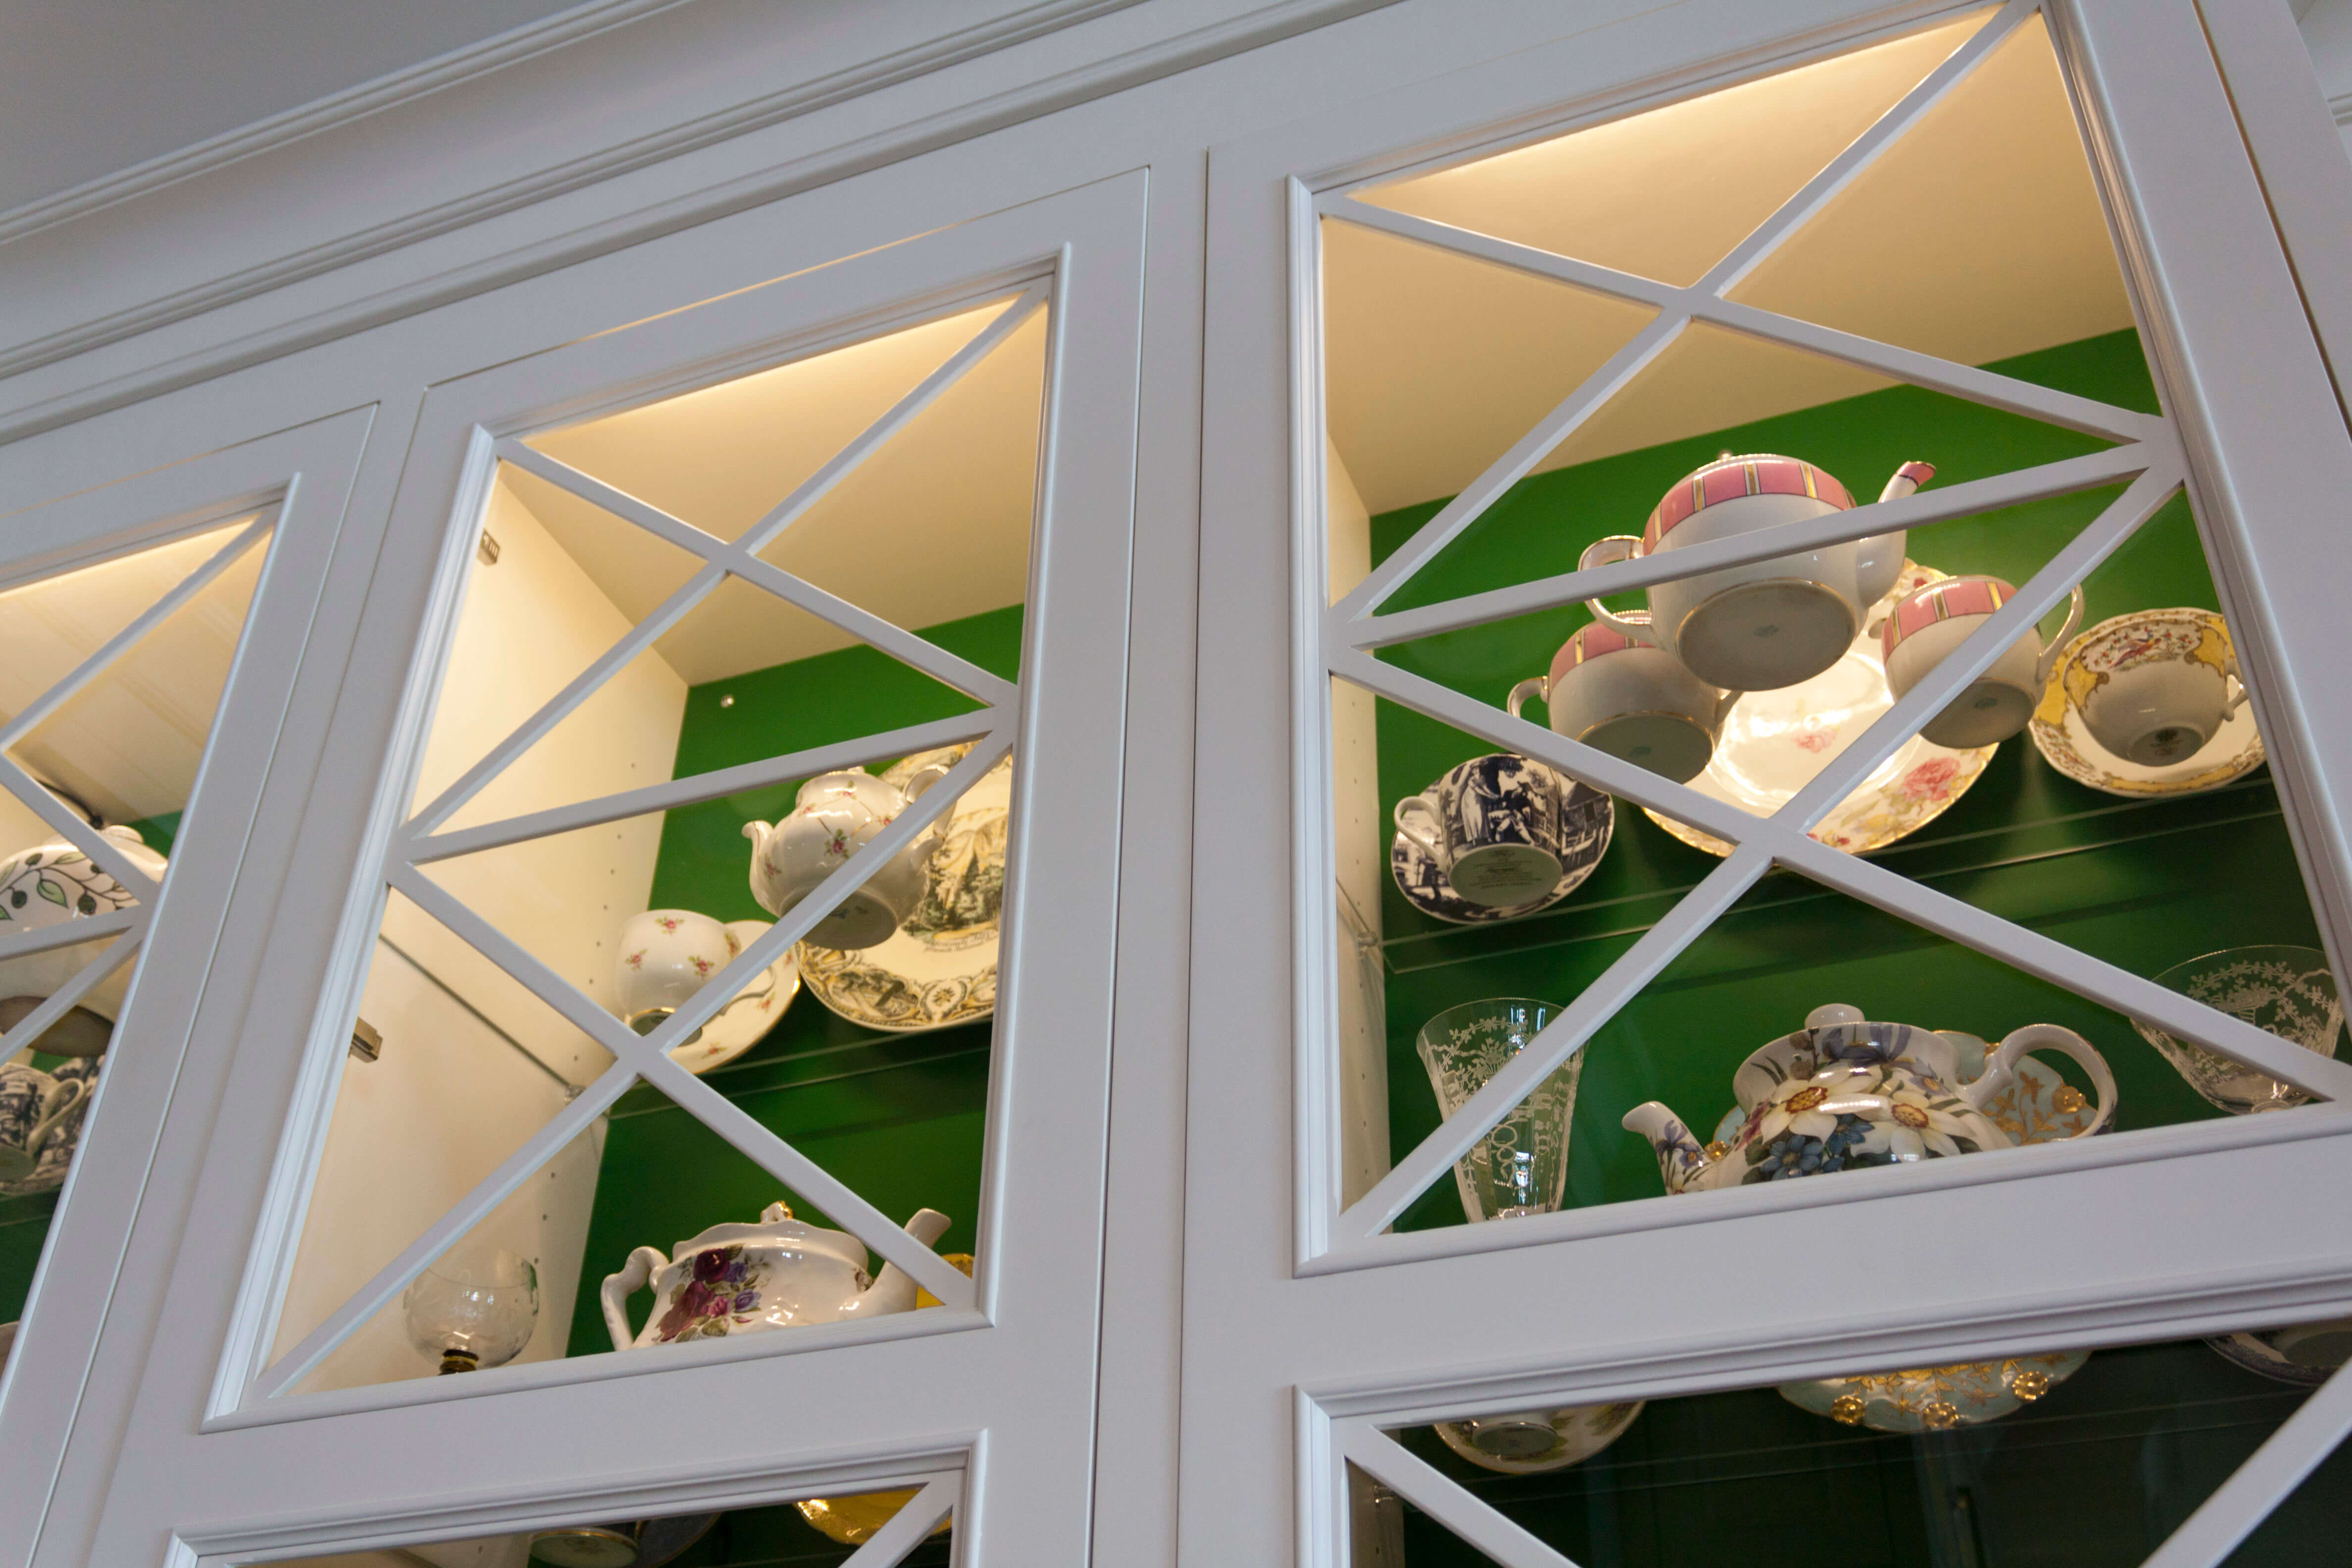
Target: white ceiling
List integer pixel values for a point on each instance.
(91, 86)
(1976, 236)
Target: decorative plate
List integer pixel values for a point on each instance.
(940, 966)
(1588, 820)
(1774, 743)
(741, 1022)
(2067, 744)
(1936, 1398)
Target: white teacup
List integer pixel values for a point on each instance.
(665, 957)
(2153, 688)
(834, 818)
(1630, 699)
(1936, 618)
(1772, 622)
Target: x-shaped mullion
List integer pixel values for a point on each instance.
(33, 1024)
(1442, 1498)
(1680, 307)
(739, 559)
(647, 1057)
(64, 821)
(1782, 838)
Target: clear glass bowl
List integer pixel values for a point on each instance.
(2286, 991)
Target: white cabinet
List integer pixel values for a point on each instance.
(1155, 467)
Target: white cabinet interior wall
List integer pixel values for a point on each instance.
(866, 720)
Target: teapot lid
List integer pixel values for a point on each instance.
(1732, 476)
(776, 1227)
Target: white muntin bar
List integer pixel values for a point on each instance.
(1970, 382)
(1511, 466)
(2207, 1537)
(2042, 593)
(554, 711)
(762, 533)
(1441, 1496)
(372, 1297)
(698, 787)
(804, 1175)
(911, 1525)
(2078, 971)
(1920, 508)
(1612, 775)
(900, 644)
(186, 588)
(68, 825)
(1727, 274)
(66, 934)
(1554, 1044)
(53, 1006)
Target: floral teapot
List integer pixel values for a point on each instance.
(1843, 1092)
(778, 1273)
(833, 818)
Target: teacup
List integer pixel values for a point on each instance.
(1630, 699)
(2154, 687)
(1492, 826)
(665, 957)
(1771, 623)
(1936, 618)
(33, 1107)
(833, 816)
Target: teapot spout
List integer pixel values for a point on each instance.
(1680, 1158)
(893, 1291)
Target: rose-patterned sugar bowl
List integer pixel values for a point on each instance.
(1845, 1092)
(833, 818)
(777, 1273)
(49, 885)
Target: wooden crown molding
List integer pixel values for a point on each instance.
(1251, 29)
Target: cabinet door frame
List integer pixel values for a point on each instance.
(1322, 1339)
(301, 480)
(993, 1404)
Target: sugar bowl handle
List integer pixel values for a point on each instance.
(1634, 626)
(634, 1275)
(2000, 1069)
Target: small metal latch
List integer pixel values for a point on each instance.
(366, 1043)
(487, 552)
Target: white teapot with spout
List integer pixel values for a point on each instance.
(834, 818)
(777, 1273)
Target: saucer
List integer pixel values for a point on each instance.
(2260, 1353)
(1774, 743)
(939, 968)
(2067, 744)
(1589, 817)
(740, 1024)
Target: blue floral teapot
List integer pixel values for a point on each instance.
(1843, 1092)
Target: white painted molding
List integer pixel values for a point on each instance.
(581, 21)
(1242, 27)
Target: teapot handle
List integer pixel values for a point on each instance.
(1616, 547)
(61, 1102)
(2057, 645)
(633, 1277)
(2001, 1068)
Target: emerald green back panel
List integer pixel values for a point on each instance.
(2142, 883)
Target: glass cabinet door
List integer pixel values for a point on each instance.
(152, 624)
(1809, 838)
(709, 1073)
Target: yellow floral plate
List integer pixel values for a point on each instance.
(939, 968)
(1774, 743)
(2067, 744)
